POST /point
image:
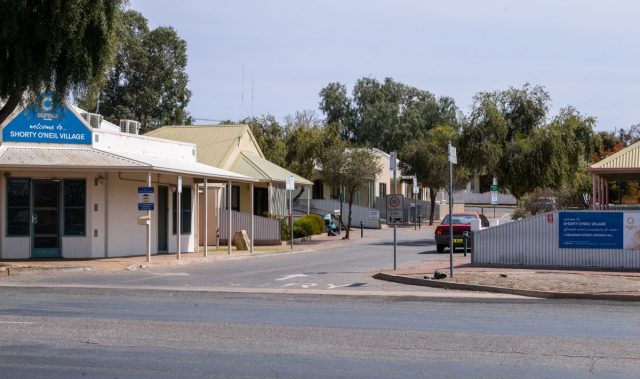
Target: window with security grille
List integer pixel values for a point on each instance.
(75, 199)
(185, 214)
(18, 211)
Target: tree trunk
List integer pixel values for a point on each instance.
(346, 236)
(9, 106)
(432, 196)
(299, 194)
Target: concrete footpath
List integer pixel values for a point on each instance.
(543, 283)
(34, 266)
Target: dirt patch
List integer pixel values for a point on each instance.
(553, 282)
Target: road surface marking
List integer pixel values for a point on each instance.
(16, 322)
(287, 277)
(332, 286)
(303, 285)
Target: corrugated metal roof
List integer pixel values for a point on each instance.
(15, 156)
(185, 167)
(91, 159)
(214, 142)
(260, 168)
(625, 159)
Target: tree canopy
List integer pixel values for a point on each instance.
(385, 115)
(54, 46)
(428, 159)
(148, 82)
(351, 168)
(508, 136)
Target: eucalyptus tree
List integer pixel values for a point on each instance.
(508, 135)
(351, 168)
(148, 81)
(385, 114)
(54, 46)
(428, 159)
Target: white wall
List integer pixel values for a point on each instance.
(125, 236)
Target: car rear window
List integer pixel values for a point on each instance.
(459, 219)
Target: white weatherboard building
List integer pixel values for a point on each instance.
(70, 183)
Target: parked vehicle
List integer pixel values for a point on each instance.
(461, 223)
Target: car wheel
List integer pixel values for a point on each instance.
(440, 248)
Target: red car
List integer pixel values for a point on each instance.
(461, 224)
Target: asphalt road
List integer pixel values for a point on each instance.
(336, 266)
(78, 333)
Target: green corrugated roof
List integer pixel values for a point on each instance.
(259, 168)
(625, 159)
(214, 142)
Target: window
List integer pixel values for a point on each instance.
(383, 189)
(18, 211)
(235, 198)
(74, 197)
(185, 213)
(318, 189)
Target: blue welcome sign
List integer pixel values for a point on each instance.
(595, 230)
(46, 124)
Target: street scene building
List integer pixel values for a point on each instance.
(71, 186)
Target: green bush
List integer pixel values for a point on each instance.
(317, 223)
(308, 225)
(285, 232)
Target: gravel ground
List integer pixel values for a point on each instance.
(554, 282)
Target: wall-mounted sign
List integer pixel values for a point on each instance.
(46, 124)
(596, 230)
(146, 199)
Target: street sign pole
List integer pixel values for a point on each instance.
(290, 186)
(452, 160)
(395, 244)
(149, 223)
(394, 165)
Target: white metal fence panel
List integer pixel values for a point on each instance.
(266, 229)
(409, 209)
(370, 220)
(535, 241)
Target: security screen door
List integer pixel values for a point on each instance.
(46, 219)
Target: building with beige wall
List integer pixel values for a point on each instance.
(70, 187)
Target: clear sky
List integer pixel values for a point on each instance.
(586, 53)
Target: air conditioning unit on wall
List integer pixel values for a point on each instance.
(130, 126)
(93, 119)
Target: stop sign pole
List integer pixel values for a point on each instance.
(453, 159)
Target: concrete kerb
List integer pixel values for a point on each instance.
(511, 291)
(17, 270)
(389, 295)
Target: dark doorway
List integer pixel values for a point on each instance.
(260, 201)
(46, 219)
(163, 219)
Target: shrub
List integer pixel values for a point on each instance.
(285, 232)
(317, 223)
(308, 225)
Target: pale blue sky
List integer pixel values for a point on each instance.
(585, 53)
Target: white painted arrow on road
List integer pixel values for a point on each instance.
(287, 277)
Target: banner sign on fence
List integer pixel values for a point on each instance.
(599, 230)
